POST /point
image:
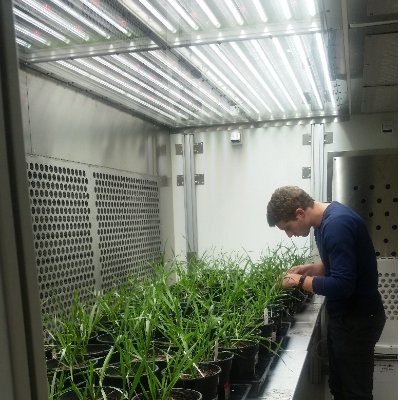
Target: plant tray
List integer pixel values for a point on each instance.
(239, 391)
(262, 368)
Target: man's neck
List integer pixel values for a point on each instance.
(317, 212)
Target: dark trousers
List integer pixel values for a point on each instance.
(351, 343)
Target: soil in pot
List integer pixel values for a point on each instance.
(206, 383)
(111, 394)
(160, 357)
(176, 394)
(244, 360)
(224, 361)
(113, 377)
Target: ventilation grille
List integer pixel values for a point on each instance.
(387, 285)
(93, 227)
(61, 225)
(128, 226)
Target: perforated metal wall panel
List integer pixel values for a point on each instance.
(388, 283)
(128, 218)
(368, 184)
(388, 287)
(92, 227)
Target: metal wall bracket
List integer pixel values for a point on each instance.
(306, 172)
(199, 179)
(328, 137)
(307, 139)
(179, 149)
(198, 148)
(179, 180)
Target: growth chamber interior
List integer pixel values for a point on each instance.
(132, 129)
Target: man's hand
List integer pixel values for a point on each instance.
(308, 269)
(290, 280)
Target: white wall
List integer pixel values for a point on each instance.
(239, 179)
(63, 123)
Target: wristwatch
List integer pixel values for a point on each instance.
(301, 281)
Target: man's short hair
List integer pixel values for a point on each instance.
(284, 203)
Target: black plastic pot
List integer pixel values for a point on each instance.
(76, 373)
(267, 332)
(244, 360)
(224, 361)
(176, 394)
(105, 338)
(275, 311)
(113, 377)
(96, 351)
(93, 338)
(160, 356)
(207, 385)
(111, 394)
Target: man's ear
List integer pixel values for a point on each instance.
(300, 213)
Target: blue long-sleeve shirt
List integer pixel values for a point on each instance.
(350, 283)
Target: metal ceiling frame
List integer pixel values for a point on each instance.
(308, 85)
(145, 44)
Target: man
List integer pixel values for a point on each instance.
(348, 278)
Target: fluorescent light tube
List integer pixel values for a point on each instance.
(223, 77)
(209, 13)
(112, 87)
(142, 84)
(152, 78)
(158, 15)
(55, 18)
(129, 87)
(103, 15)
(132, 7)
(249, 65)
(169, 79)
(27, 32)
(41, 26)
(325, 68)
(238, 74)
(23, 43)
(260, 10)
(285, 9)
(289, 69)
(182, 12)
(302, 54)
(272, 72)
(163, 59)
(311, 7)
(235, 12)
(81, 18)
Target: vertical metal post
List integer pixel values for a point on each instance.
(317, 162)
(22, 365)
(190, 197)
(318, 191)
